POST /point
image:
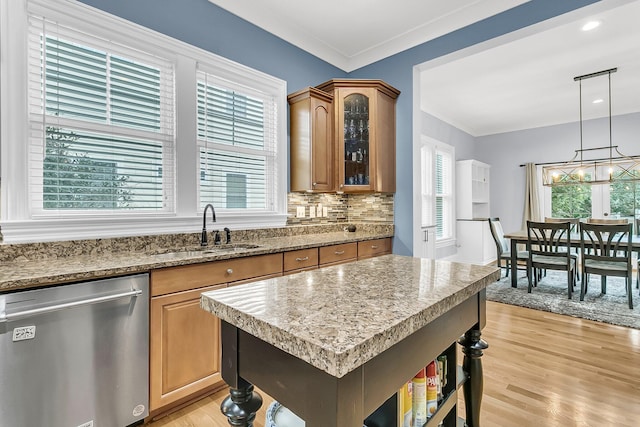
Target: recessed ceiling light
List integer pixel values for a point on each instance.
(590, 25)
(598, 101)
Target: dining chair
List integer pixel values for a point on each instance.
(609, 254)
(548, 247)
(503, 249)
(610, 221)
(574, 229)
(573, 221)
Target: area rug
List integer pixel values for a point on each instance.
(551, 295)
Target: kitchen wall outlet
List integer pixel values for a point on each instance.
(325, 211)
(300, 213)
(312, 211)
(319, 210)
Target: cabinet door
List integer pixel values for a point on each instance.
(354, 135)
(311, 139)
(185, 348)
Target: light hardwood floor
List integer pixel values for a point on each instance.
(541, 369)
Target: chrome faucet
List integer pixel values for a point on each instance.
(203, 237)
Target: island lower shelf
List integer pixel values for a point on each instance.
(391, 412)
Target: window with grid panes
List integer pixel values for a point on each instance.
(237, 146)
(444, 195)
(101, 124)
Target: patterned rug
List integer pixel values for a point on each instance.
(551, 295)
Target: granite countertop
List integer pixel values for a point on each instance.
(336, 318)
(24, 272)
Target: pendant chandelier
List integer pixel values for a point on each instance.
(617, 167)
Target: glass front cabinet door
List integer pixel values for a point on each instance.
(364, 134)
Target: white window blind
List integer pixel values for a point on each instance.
(237, 140)
(101, 124)
(444, 196)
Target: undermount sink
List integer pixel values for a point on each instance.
(205, 250)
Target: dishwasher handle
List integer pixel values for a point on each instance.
(4, 317)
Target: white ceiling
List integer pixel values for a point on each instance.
(519, 81)
(529, 83)
(353, 33)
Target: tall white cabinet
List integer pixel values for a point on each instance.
(474, 240)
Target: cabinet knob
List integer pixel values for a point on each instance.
(314, 184)
(229, 270)
(302, 259)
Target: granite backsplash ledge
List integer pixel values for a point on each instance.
(163, 242)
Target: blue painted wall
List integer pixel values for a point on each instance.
(205, 25)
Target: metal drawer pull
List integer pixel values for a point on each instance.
(26, 313)
(339, 252)
(374, 246)
(229, 270)
(303, 259)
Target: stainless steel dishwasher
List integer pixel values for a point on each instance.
(75, 355)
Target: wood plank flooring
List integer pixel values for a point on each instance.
(541, 369)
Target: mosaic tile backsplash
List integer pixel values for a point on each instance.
(342, 208)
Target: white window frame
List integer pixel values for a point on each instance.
(448, 197)
(17, 222)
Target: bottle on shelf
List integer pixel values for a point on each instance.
(406, 404)
(419, 398)
(432, 388)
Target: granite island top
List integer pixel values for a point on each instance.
(75, 264)
(337, 318)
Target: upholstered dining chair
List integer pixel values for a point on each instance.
(548, 247)
(503, 250)
(609, 254)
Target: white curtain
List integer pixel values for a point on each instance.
(531, 198)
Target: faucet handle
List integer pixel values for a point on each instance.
(228, 234)
(216, 239)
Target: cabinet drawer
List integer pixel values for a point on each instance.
(338, 253)
(372, 248)
(175, 279)
(303, 258)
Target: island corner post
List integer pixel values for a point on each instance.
(348, 400)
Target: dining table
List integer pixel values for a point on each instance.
(520, 237)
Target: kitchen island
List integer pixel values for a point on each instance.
(334, 344)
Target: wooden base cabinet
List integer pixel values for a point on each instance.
(184, 348)
(184, 361)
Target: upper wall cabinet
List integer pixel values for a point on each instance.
(311, 133)
(365, 132)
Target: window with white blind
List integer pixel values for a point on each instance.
(112, 129)
(101, 124)
(444, 194)
(237, 145)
